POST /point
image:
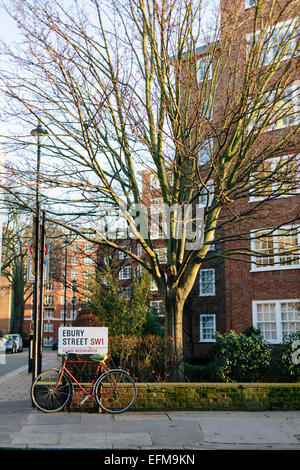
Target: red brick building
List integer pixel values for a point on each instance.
(265, 291)
(77, 259)
(262, 291)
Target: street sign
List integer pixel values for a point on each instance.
(82, 340)
(30, 253)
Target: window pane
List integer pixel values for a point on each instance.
(264, 244)
(266, 320)
(290, 318)
(207, 194)
(204, 69)
(288, 247)
(263, 183)
(207, 327)
(207, 282)
(205, 151)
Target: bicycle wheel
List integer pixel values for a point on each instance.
(47, 394)
(115, 391)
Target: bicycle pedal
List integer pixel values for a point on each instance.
(84, 400)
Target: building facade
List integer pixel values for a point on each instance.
(67, 289)
(262, 287)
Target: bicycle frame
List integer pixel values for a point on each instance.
(64, 369)
(113, 389)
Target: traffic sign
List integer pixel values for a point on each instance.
(82, 340)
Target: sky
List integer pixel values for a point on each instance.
(8, 29)
(9, 34)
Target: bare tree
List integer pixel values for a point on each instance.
(14, 266)
(140, 85)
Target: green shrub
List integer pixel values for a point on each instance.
(152, 325)
(198, 372)
(282, 367)
(241, 358)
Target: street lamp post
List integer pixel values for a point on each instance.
(38, 133)
(65, 284)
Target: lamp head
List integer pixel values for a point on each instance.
(39, 132)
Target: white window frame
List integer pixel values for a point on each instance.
(271, 35)
(48, 327)
(207, 340)
(47, 341)
(73, 314)
(293, 93)
(74, 274)
(74, 260)
(122, 254)
(89, 247)
(158, 306)
(125, 293)
(202, 198)
(88, 273)
(276, 266)
(204, 67)
(161, 254)
(63, 315)
(49, 313)
(125, 273)
(49, 286)
(139, 271)
(139, 250)
(158, 211)
(274, 186)
(249, 4)
(49, 300)
(255, 303)
(154, 182)
(153, 285)
(213, 291)
(205, 151)
(88, 261)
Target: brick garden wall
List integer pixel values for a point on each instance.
(211, 397)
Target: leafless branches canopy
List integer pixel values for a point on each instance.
(135, 86)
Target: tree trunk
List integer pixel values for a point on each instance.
(174, 335)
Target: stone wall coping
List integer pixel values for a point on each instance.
(216, 384)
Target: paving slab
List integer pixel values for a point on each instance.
(83, 439)
(51, 419)
(237, 433)
(27, 438)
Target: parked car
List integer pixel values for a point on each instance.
(18, 340)
(55, 345)
(10, 345)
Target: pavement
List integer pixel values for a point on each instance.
(24, 427)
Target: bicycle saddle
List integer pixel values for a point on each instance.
(98, 357)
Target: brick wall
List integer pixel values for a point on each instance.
(202, 396)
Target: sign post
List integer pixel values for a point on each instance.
(82, 340)
(30, 267)
(35, 260)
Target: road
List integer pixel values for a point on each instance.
(11, 362)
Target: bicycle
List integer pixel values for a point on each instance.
(114, 389)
